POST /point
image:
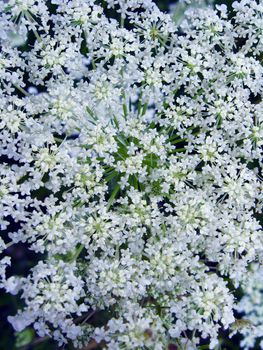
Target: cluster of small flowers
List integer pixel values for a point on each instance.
(251, 307)
(131, 161)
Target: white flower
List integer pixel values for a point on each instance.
(131, 155)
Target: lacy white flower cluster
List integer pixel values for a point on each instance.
(251, 307)
(131, 156)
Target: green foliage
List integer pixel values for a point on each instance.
(24, 337)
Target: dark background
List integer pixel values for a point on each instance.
(23, 259)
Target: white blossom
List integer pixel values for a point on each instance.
(132, 156)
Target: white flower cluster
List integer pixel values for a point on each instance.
(131, 160)
(251, 307)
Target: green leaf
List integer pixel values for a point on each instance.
(113, 195)
(8, 8)
(77, 22)
(91, 113)
(144, 108)
(125, 110)
(111, 175)
(70, 256)
(24, 337)
(115, 121)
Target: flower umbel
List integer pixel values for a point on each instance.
(132, 162)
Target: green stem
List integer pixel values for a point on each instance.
(93, 64)
(77, 252)
(9, 244)
(22, 90)
(31, 19)
(122, 22)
